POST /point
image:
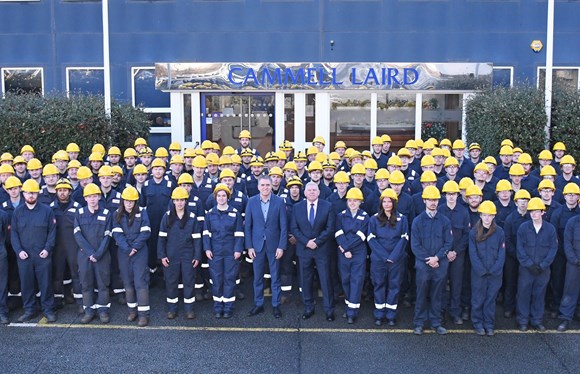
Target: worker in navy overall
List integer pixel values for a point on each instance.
(313, 226)
(13, 186)
(337, 199)
(223, 243)
(431, 240)
(66, 249)
(4, 223)
(536, 248)
(179, 249)
(387, 237)
(92, 231)
(155, 196)
(351, 230)
(571, 292)
(33, 235)
(288, 261)
(487, 254)
(459, 217)
(266, 238)
(131, 229)
(503, 202)
(512, 223)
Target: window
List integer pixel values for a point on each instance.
(153, 101)
(396, 114)
(443, 112)
(85, 81)
(22, 80)
(566, 77)
(350, 119)
(503, 76)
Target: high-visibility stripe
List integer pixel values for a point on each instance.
(77, 229)
(267, 276)
(78, 295)
(19, 294)
(132, 305)
(107, 233)
(59, 295)
(218, 299)
(371, 236)
(239, 234)
(380, 306)
(207, 233)
(145, 228)
(339, 233)
(210, 281)
(67, 281)
(196, 235)
(205, 266)
(405, 236)
(238, 281)
(389, 306)
(143, 308)
(361, 235)
(102, 306)
(38, 294)
(162, 233)
(118, 290)
(180, 286)
(352, 305)
(198, 285)
(153, 270)
(189, 301)
(286, 288)
(229, 299)
(117, 229)
(172, 301)
(94, 306)
(249, 260)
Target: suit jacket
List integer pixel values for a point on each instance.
(273, 231)
(322, 230)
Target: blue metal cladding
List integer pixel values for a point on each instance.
(55, 34)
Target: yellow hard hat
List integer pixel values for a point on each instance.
(328, 165)
(428, 177)
(481, 166)
(130, 193)
(518, 150)
(227, 173)
(256, 161)
(212, 159)
(507, 142)
(428, 144)
(105, 171)
(91, 189)
(140, 141)
(199, 162)
(377, 141)
(117, 170)
(567, 159)
(236, 160)
(311, 151)
(547, 170)
(334, 156)
(146, 151)
(559, 146)
(321, 157)
(503, 185)
(427, 160)
(84, 173)
(397, 177)
(446, 142)
(525, 158)
(185, 178)
(371, 164)
(6, 169)
(189, 152)
(99, 148)
(390, 193)
(404, 152)
(473, 190)
(296, 181)
(27, 148)
(175, 146)
(545, 155)
(517, 170)
(179, 193)
(300, 156)
(290, 166)
(451, 161)
(12, 182)
(536, 204)
(275, 171)
(72, 147)
(50, 169)
(341, 177)
(114, 151)
(215, 146)
(63, 183)
(358, 169)
(225, 160)
(176, 159)
(490, 160)
(96, 156)
(571, 188)
(458, 144)
(354, 193)
(286, 146)
(546, 184)
(130, 152)
(411, 144)
(271, 156)
(382, 174)
(222, 187)
(522, 194)
(207, 144)
(419, 143)
(314, 165)
(450, 187)
(465, 182)
(61, 155)
(161, 152)
(73, 164)
(431, 193)
(140, 169)
(473, 146)
(506, 150)
(34, 164)
(6, 156)
(385, 138)
(245, 134)
(394, 160)
(319, 139)
(30, 185)
(158, 163)
(487, 207)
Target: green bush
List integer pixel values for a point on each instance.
(514, 113)
(49, 123)
(565, 125)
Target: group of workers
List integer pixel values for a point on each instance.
(434, 224)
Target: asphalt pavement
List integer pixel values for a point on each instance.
(263, 344)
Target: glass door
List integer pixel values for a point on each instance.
(224, 115)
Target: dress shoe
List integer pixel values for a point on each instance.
(217, 315)
(330, 317)
(523, 327)
(276, 312)
(171, 315)
(50, 317)
(87, 318)
(350, 320)
(190, 315)
(508, 314)
(490, 332)
(440, 330)
(26, 317)
(4, 319)
(480, 332)
(307, 314)
(391, 322)
(256, 310)
(143, 321)
(378, 322)
(563, 326)
(227, 315)
(131, 317)
(458, 321)
(104, 317)
(418, 330)
(539, 327)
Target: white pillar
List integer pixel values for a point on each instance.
(374, 97)
(322, 118)
(106, 60)
(195, 118)
(176, 103)
(549, 68)
(418, 115)
(299, 121)
(279, 117)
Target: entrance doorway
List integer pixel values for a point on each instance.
(224, 115)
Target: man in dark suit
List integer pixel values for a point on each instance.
(313, 227)
(266, 235)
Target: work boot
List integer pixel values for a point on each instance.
(87, 318)
(143, 321)
(50, 317)
(104, 317)
(132, 316)
(190, 315)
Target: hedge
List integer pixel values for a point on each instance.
(50, 122)
(565, 125)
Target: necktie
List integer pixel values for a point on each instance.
(311, 215)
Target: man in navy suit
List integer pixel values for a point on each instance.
(313, 227)
(266, 234)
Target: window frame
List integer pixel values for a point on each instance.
(69, 68)
(2, 70)
(163, 110)
(540, 68)
(510, 68)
